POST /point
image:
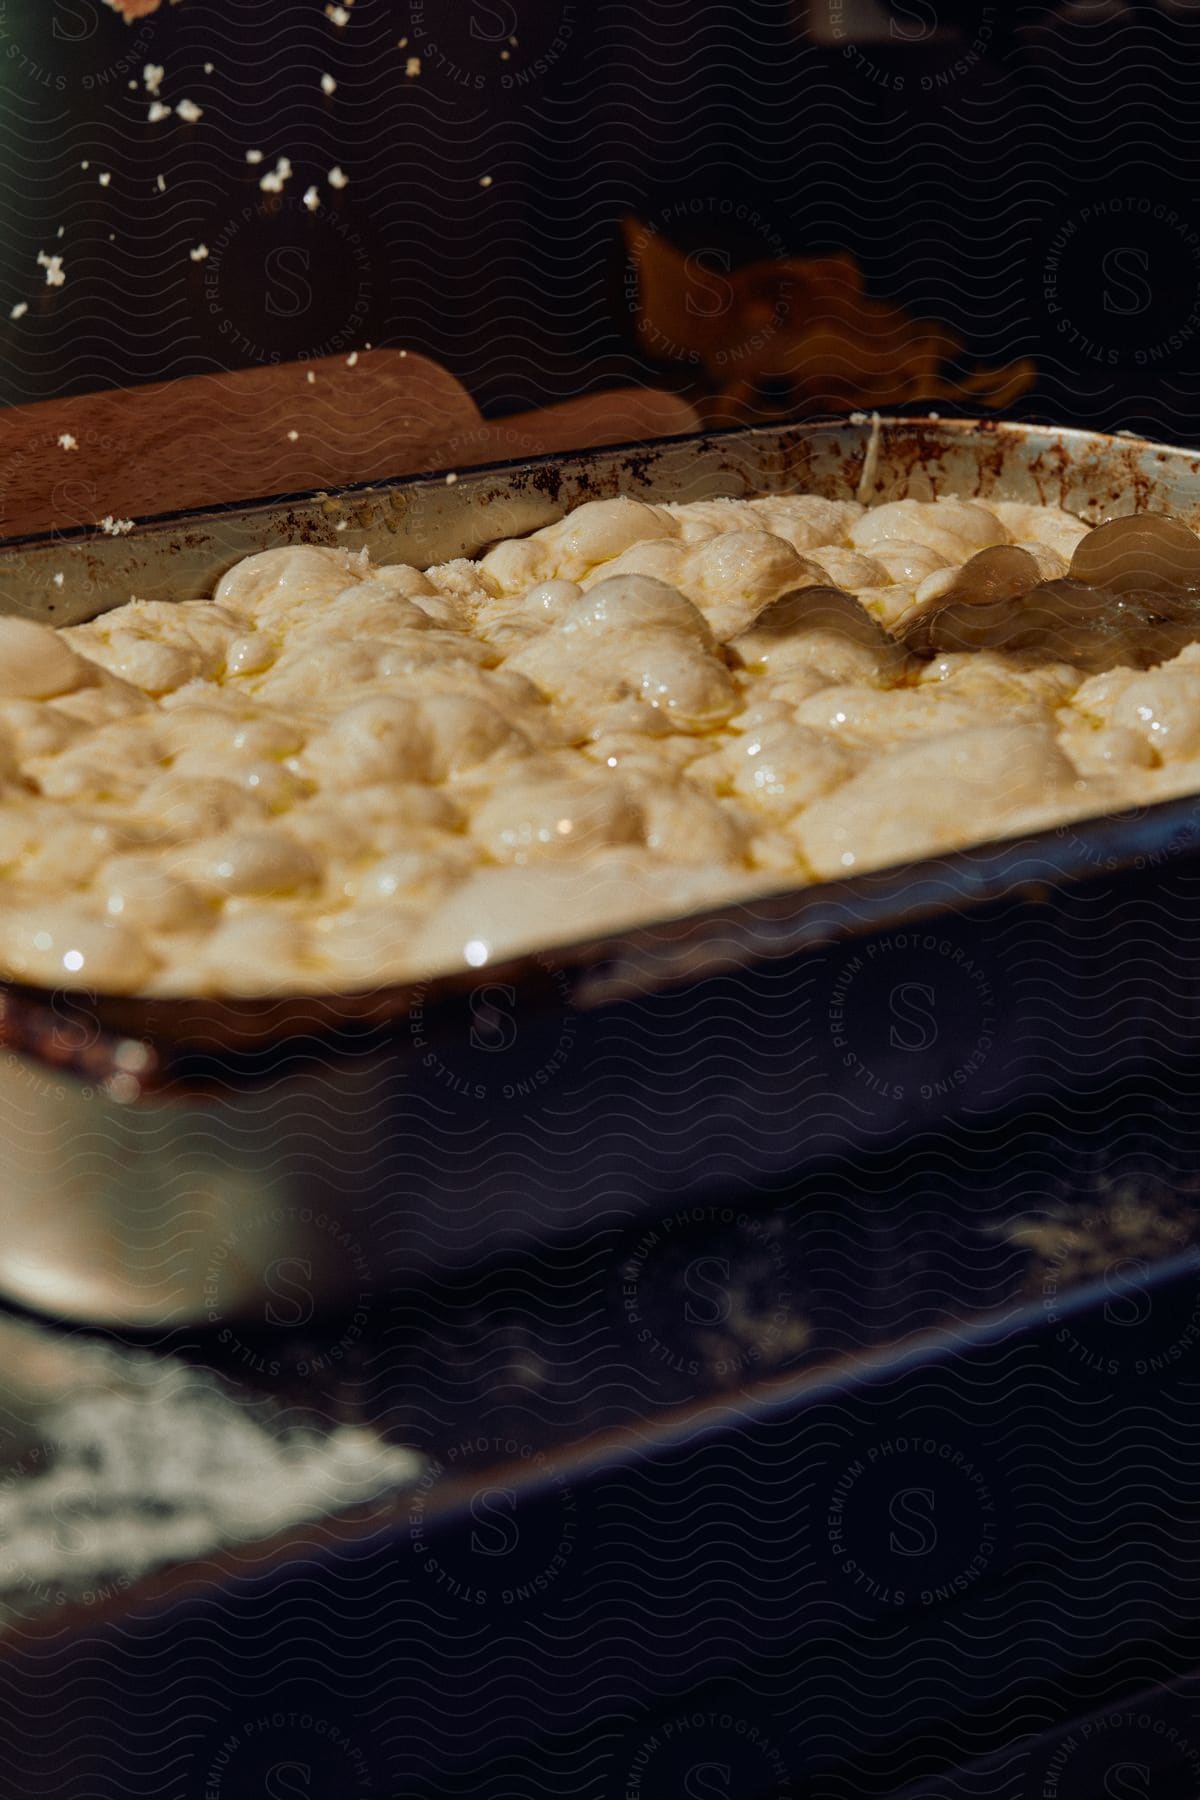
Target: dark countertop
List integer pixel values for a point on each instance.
(496, 1462)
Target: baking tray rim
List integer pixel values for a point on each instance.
(957, 425)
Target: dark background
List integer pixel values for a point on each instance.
(1025, 174)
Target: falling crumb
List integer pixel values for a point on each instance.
(328, 84)
(85, 165)
(152, 76)
(337, 178)
(208, 68)
(104, 179)
(272, 182)
(310, 377)
(254, 156)
(338, 14)
(61, 232)
(157, 112)
(161, 185)
(115, 527)
(413, 66)
(312, 199)
(402, 44)
(19, 310)
(451, 479)
(189, 111)
(58, 579)
(67, 442)
(292, 436)
(506, 56)
(485, 181)
(341, 525)
(53, 265)
(352, 359)
(200, 253)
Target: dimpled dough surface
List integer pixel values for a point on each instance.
(332, 776)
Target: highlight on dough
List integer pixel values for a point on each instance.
(334, 776)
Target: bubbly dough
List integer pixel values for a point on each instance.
(333, 775)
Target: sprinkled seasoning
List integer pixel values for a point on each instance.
(272, 182)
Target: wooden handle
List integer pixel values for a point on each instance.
(624, 415)
(217, 438)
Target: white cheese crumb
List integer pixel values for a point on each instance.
(272, 182)
(67, 442)
(328, 84)
(208, 68)
(104, 179)
(337, 178)
(341, 525)
(115, 527)
(352, 359)
(292, 436)
(161, 184)
(61, 232)
(158, 112)
(402, 43)
(53, 265)
(338, 14)
(451, 479)
(85, 165)
(19, 310)
(200, 253)
(413, 66)
(189, 111)
(152, 76)
(58, 579)
(310, 377)
(485, 181)
(312, 199)
(254, 156)
(404, 353)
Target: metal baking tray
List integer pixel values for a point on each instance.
(173, 1162)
